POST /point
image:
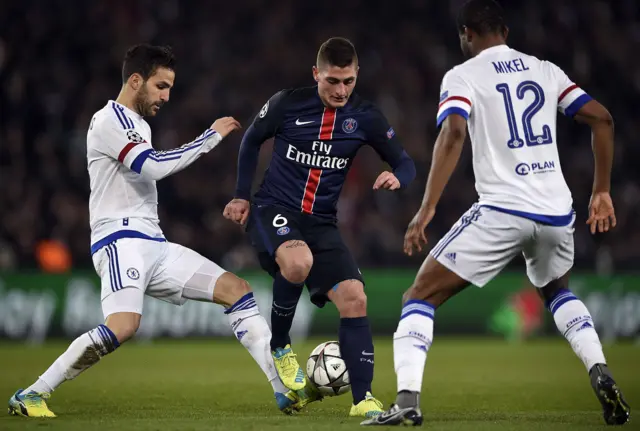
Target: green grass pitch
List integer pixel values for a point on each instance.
(470, 384)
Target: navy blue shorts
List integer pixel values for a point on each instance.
(270, 226)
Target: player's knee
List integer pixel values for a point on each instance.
(351, 301)
(240, 288)
(123, 325)
(296, 268)
(230, 289)
(357, 304)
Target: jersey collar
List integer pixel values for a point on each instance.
(494, 49)
(128, 111)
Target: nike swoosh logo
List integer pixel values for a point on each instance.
(302, 123)
(367, 354)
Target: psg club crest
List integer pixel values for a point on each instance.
(349, 125)
(135, 137)
(283, 230)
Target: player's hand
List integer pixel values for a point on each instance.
(237, 211)
(415, 236)
(225, 125)
(601, 212)
(386, 180)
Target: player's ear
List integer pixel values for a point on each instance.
(135, 80)
(468, 34)
(505, 32)
(315, 73)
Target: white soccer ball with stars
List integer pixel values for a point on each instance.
(327, 370)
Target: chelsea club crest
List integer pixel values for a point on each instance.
(349, 125)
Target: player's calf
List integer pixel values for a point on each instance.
(294, 260)
(433, 285)
(356, 341)
(249, 327)
(575, 323)
(84, 351)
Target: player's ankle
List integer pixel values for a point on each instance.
(406, 398)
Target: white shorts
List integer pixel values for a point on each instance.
(484, 241)
(129, 268)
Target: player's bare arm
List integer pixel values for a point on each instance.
(446, 154)
(601, 212)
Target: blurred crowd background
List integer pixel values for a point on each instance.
(60, 62)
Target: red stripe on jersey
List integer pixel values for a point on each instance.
(313, 181)
(460, 98)
(567, 91)
(328, 121)
(125, 151)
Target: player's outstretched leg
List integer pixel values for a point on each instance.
(294, 260)
(433, 285)
(356, 345)
(251, 329)
(84, 351)
(574, 322)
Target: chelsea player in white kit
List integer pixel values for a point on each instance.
(130, 253)
(509, 102)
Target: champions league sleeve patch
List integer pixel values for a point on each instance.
(391, 133)
(135, 137)
(263, 111)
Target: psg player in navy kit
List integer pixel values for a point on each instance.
(292, 218)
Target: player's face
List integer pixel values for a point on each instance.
(154, 92)
(335, 84)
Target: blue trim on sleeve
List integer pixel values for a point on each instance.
(122, 234)
(449, 111)
(136, 166)
(573, 109)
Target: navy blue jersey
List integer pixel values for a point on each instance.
(314, 148)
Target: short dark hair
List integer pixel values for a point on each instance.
(482, 16)
(337, 51)
(145, 60)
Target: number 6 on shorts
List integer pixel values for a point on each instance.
(279, 221)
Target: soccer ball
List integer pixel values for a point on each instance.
(327, 370)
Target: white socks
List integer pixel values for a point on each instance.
(249, 327)
(575, 323)
(411, 342)
(253, 332)
(85, 351)
(414, 335)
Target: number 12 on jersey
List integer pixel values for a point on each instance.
(531, 139)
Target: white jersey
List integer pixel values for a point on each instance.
(123, 170)
(510, 100)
